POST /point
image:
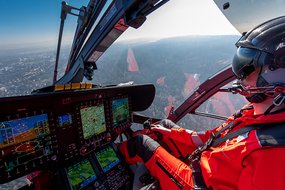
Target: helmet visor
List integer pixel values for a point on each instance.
(244, 62)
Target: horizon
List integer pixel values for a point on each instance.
(52, 45)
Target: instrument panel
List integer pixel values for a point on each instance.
(56, 130)
(101, 170)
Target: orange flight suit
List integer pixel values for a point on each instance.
(244, 162)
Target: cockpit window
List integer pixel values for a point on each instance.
(217, 108)
(176, 66)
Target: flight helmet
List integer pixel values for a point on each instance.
(262, 47)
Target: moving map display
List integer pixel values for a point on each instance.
(24, 140)
(120, 110)
(93, 120)
(64, 120)
(81, 174)
(107, 158)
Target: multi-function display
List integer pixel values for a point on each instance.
(93, 120)
(80, 174)
(120, 111)
(64, 120)
(107, 158)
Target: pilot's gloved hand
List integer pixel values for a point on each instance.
(164, 127)
(168, 124)
(157, 128)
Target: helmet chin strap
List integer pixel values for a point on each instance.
(256, 98)
(269, 109)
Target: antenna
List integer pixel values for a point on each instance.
(65, 9)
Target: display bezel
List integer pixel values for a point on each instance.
(30, 157)
(129, 118)
(88, 106)
(88, 180)
(65, 125)
(110, 165)
(78, 118)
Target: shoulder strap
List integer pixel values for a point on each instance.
(234, 134)
(272, 136)
(264, 136)
(268, 133)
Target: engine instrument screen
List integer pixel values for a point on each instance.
(64, 120)
(120, 110)
(24, 140)
(81, 174)
(107, 158)
(93, 120)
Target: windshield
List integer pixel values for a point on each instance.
(176, 52)
(243, 13)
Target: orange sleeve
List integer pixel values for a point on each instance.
(263, 169)
(189, 137)
(187, 141)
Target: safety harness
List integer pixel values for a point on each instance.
(268, 134)
(194, 158)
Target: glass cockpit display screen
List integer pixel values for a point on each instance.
(107, 158)
(24, 140)
(64, 120)
(23, 129)
(120, 110)
(81, 174)
(93, 120)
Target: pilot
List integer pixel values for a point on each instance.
(245, 152)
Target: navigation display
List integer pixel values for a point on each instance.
(24, 140)
(93, 120)
(64, 120)
(120, 110)
(107, 158)
(81, 174)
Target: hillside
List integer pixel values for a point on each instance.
(180, 64)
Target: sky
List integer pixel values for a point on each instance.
(182, 18)
(33, 21)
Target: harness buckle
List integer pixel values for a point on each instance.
(279, 99)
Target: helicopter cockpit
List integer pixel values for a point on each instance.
(68, 130)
